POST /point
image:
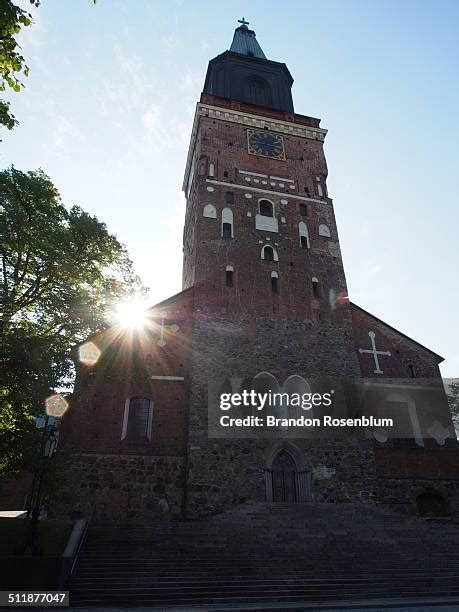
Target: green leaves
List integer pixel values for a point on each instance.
(12, 63)
(6, 117)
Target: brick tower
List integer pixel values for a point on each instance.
(257, 202)
(261, 250)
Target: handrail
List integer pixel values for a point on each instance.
(81, 542)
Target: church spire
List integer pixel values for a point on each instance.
(245, 42)
(244, 74)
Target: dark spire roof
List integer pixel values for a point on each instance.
(245, 74)
(245, 42)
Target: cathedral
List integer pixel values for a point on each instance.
(264, 305)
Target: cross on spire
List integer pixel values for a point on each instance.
(243, 22)
(374, 352)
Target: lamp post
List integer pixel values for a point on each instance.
(56, 406)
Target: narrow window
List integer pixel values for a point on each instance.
(315, 288)
(211, 169)
(274, 282)
(266, 208)
(227, 223)
(412, 370)
(229, 197)
(303, 210)
(304, 235)
(137, 420)
(268, 253)
(319, 186)
(225, 174)
(226, 230)
(229, 278)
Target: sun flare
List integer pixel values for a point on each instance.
(131, 314)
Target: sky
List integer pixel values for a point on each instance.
(108, 108)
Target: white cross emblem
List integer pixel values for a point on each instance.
(374, 352)
(173, 328)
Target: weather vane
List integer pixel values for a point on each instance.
(243, 21)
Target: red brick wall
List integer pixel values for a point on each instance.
(403, 350)
(95, 419)
(431, 462)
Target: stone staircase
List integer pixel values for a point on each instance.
(268, 555)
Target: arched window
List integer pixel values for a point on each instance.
(211, 169)
(209, 211)
(304, 235)
(274, 282)
(315, 287)
(269, 253)
(229, 276)
(412, 370)
(324, 230)
(138, 416)
(227, 223)
(298, 390)
(431, 504)
(265, 382)
(256, 90)
(266, 208)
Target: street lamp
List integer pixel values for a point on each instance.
(56, 407)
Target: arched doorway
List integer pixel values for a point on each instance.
(287, 474)
(432, 505)
(283, 474)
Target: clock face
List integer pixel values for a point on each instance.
(267, 144)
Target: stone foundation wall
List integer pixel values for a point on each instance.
(224, 472)
(228, 473)
(117, 487)
(400, 494)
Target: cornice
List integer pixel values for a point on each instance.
(250, 120)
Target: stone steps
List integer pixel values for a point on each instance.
(268, 553)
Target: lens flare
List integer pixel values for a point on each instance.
(89, 354)
(56, 405)
(131, 314)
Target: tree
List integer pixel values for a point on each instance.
(61, 272)
(12, 63)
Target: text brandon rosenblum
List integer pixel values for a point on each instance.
(303, 421)
(281, 401)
